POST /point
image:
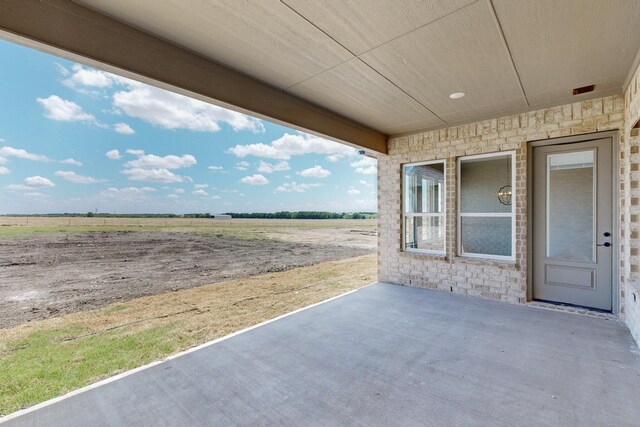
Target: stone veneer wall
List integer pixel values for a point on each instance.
(505, 281)
(630, 212)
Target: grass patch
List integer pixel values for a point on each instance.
(257, 229)
(45, 359)
(42, 365)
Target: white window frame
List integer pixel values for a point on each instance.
(442, 215)
(511, 215)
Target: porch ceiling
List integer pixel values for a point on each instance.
(355, 71)
(391, 65)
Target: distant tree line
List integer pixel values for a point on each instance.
(96, 215)
(268, 215)
(304, 215)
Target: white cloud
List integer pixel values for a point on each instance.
(154, 105)
(365, 183)
(151, 161)
(224, 190)
(290, 145)
(198, 186)
(4, 171)
(6, 152)
(172, 196)
(62, 69)
(56, 108)
(129, 194)
(123, 128)
(255, 180)
(200, 192)
(370, 170)
(353, 191)
(85, 76)
(77, 179)
(366, 166)
(215, 168)
(19, 187)
(113, 155)
(152, 168)
(38, 181)
(295, 187)
(242, 166)
(216, 197)
(34, 194)
(173, 111)
(152, 175)
(334, 158)
(179, 190)
(273, 167)
(131, 190)
(70, 161)
(315, 172)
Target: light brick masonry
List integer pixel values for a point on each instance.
(499, 280)
(630, 218)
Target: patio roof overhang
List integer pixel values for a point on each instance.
(69, 30)
(352, 71)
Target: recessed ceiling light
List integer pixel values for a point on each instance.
(457, 95)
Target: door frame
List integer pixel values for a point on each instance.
(615, 209)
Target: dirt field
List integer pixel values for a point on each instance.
(50, 266)
(43, 359)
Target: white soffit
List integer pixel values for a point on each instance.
(359, 92)
(361, 25)
(564, 44)
(264, 39)
(392, 64)
(462, 52)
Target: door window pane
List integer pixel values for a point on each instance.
(486, 235)
(425, 233)
(570, 206)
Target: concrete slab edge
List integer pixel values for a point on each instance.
(121, 375)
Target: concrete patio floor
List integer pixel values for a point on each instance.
(384, 355)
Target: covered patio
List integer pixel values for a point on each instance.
(447, 95)
(383, 355)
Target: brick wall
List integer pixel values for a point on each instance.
(505, 281)
(630, 259)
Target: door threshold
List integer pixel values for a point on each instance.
(570, 308)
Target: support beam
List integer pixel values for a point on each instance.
(76, 32)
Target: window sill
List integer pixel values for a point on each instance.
(424, 255)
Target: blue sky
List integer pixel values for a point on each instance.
(76, 139)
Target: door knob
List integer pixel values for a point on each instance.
(605, 244)
(606, 234)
